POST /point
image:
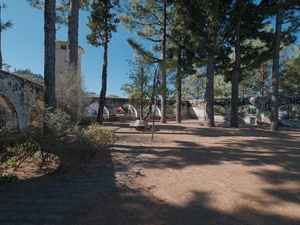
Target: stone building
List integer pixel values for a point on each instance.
(61, 55)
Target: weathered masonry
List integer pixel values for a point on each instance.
(18, 101)
(196, 108)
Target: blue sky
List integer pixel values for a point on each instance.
(23, 47)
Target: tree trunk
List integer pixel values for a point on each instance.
(141, 112)
(73, 35)
(1, 63)
(49, 53)
(104, 80)
(209, 107)
(163, 68)
(235, 78)
(178, 88)
(275, 68)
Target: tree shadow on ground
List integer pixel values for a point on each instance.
(126, 206)
(96, 198)
(277, 153)
(49, 198)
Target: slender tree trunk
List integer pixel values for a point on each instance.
(275, 68)
(209, 108)
(163, 68)
(49, 53)
(141, 112)
(235, 78)
(73, 35)
(142, 98)
(104, 80)
(104, 86)
(178, 88)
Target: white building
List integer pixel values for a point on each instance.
(61, 54)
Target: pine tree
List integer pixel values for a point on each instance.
(49, 58)
(149, 19)
(202, 20)
(285, 12)
(49, 8)
(139, 89)
(73, 20)
(103, 23)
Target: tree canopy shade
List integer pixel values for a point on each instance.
(102, 23)
(3, 26)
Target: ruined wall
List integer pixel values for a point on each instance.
(290, 123)
(197, 109)
(112, 105)
(21, 96)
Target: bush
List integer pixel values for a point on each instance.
(219, 110)
(85, 121)
(93, 140)
(57, 137)
(8, 178)
(58, 123)
(15, 148)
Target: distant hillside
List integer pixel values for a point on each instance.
(29, 75)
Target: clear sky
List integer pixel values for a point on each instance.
(23, 47)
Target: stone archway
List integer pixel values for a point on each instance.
(19, 97)
(8, 115)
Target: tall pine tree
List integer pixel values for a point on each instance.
(103, 23)
(149, 18)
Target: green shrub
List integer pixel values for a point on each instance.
(15, 148)
(58, 123)
(85, 121)
(171, 110)
(93, 140)
(58, 135)
(219, 110)
(8, 178)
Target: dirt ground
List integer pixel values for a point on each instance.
(190, 175)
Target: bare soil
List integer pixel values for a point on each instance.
(190, 174)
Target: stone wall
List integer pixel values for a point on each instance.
(19, 97)
(290, 123)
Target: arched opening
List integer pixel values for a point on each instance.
(132, 111)
(8, 115)
(154, 109)
(247, 114)
(219, 113)
(289, 112)
(92, 111)
(219, 110)
(126, 112)
(171, 111)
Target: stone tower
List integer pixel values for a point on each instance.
(61, 55)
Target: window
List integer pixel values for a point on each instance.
(64, 47)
